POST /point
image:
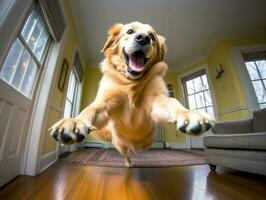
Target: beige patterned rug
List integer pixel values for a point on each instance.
(150, 158)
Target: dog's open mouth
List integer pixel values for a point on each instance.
(135, 62)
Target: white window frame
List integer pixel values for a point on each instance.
(40, 64)
(236, 54)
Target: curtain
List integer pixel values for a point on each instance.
(54, 17)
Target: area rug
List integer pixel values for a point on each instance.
(150, 158)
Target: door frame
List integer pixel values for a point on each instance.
(31, 160)
(187, 143)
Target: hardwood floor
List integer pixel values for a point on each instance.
(66, 181)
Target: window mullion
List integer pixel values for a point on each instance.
(29, 50)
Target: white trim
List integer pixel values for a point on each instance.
(233, 109)
(236, 54)
(47, 160)
(176, 145)
(39, 115)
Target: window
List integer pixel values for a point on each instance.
(257, 72)
(197, 92)
(27, 54)
(72, 95)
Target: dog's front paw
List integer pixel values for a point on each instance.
(194, 122)
(69, 131)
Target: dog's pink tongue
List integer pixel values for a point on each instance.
(136, 62)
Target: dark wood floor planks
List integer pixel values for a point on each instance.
(65, 181)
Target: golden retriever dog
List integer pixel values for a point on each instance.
(132, 96)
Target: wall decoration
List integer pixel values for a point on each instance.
(63, 75)
(170, 88)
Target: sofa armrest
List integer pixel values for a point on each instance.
(231, 127)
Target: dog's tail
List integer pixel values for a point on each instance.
(102, 134)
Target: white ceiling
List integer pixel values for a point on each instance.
(191, 27)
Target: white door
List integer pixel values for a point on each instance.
(18, 78)
(15, 111)
(198, 96)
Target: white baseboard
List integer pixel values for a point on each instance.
(47, 160)
(94, 144)
(157, 145)
(176, 145)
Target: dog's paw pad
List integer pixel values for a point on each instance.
(69, 131)
(194, 122)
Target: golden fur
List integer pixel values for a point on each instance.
(127, 107)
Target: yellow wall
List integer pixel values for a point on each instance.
(227, 89)
(57, 97)
(170, 134)
(91, 82)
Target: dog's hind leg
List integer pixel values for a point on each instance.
(124, 151)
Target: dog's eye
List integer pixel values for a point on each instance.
(152, 36)
(130, 31)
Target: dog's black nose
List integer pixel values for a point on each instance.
(142, 39)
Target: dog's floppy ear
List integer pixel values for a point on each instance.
(162, 46)
(113, 34)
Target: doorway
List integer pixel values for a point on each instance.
(198, 96)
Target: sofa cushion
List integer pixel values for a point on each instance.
(259, 120)
(255, 141)
(230, 127)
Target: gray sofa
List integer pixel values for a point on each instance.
(238, 145)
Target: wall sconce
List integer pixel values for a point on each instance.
(219, 71)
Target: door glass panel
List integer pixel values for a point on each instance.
(28, 81)
(261, 67)
(197, 84)
(200, 100)
(260, 91)
(192, 102)
(21, 69)
(198, 94)
(252, 70)
(11, 61)
(190, 87)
